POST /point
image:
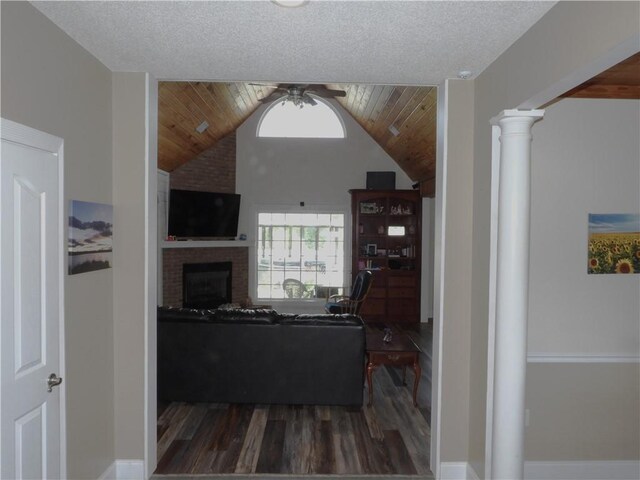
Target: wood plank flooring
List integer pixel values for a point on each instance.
(389, 438)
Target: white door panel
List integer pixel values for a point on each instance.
(30, 302)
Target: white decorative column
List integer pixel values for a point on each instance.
(512, 288)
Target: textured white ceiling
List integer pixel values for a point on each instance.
(388, 42)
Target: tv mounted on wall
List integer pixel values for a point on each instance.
(203, 214)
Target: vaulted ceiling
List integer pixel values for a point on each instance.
(401, 119)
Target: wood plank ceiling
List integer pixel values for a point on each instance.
(402, 120)
(622, 81)
(182, 106)
(411, 111)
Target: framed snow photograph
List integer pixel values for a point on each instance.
(90, 236)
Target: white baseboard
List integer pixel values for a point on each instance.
(109, 473)
(124, 470)
(598, 470)
(454, 471)
(471, 473)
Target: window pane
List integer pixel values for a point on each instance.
(278, 233)
(309, 219)
(264, 277)
(277, 276)
(289, 251)
(324, 219)
(284, 119)
(264, 291)
(294, 218)
(295, 251)
(296, 233)
(264, 219)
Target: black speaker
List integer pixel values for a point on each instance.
(381, 180)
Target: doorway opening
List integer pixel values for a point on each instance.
(390, 380)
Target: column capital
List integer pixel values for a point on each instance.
(532, 114)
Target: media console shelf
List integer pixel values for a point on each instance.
(386, 240)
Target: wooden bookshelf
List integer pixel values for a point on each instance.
(386, 239)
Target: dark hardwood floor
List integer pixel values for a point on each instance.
(390, 438)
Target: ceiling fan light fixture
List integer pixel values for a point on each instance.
(300, 95)
(290, 3)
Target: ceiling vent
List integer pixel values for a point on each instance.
(202, 127)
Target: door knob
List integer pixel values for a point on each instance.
(53, 381)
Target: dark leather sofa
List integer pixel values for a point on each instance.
(259, 356)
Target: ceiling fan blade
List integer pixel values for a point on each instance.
(327, 92)
(275, 95)
(272, 85)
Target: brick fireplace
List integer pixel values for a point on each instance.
(206, 285)
(174, 258)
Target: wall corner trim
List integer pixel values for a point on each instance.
(471, 473)
(109, 473)
(124, 470)
(457, 471)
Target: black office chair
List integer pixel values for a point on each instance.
(351, 303)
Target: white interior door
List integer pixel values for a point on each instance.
(31, 301)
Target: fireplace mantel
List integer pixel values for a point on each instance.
(205, 244)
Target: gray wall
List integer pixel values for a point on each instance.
(583, 412)
(456, 300)
(52, 84)
(562, 47)
(319, 172)
(586, 160)
(129, 149)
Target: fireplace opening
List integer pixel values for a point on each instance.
(206, 285)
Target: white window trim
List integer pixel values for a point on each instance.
(313, 305)
(325, 101)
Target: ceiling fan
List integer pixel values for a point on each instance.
(298, 94)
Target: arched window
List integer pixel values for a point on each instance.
(311, 121)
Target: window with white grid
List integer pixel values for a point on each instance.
(300, 255)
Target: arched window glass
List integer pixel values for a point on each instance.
(311, 121)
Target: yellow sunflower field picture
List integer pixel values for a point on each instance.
(614, 243)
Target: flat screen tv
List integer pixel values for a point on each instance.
(203, 214)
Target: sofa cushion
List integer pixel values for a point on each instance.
(249, 316)
(175, 314)
(320, 319)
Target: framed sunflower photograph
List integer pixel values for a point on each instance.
(614, 243)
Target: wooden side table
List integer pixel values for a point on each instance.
(400, 352)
